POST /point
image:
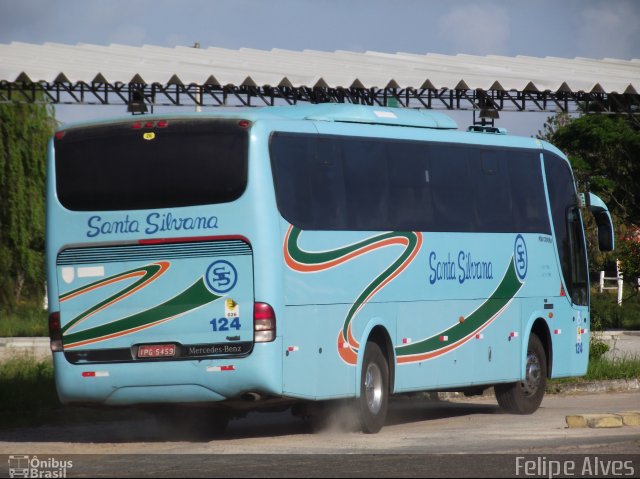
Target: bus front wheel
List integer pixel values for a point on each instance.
(374, 389)
(524, 397)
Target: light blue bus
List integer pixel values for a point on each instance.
(304, 255)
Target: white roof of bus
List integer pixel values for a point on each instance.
(219, 66)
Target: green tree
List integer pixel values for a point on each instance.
(604, 151)
(24, 132)
(605, 154)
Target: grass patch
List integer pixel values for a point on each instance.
(28, 397)
(24, 320)
(27, 391)
(603, 369)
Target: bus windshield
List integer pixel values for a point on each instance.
(151, 164)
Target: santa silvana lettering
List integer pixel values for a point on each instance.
(467, 268)
(154, 223)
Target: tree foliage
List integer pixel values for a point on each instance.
(24, 132)
(605, 154)
(628, 251)
(604, 151)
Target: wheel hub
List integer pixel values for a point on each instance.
(533, 376)
(373, 388)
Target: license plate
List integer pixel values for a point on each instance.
(157, 351)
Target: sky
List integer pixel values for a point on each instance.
(559, 28)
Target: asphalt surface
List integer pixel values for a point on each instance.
(454, 438)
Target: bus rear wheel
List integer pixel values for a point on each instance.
(374, 390)
(524, 397)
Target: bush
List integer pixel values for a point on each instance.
(597, 349)
(607, 314)
(628, 251)
(23, 320)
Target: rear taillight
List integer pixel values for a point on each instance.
(55, 332)
(264, 323)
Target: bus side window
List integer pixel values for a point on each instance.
(327, 180)
(493, 195)
(292, 158)
(366, 183)
(452, 188)
(410, 186)
(527, 191)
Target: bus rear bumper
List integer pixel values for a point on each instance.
(189, 381)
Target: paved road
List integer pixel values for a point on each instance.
(416, 430)
(414, 426)
(622, 344)
(418, 440)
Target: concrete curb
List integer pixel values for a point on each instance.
(612, 385)
(614, 334)
(621, 419)
(591, 387)
(24, 347)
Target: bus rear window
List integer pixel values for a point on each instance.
(151, 164)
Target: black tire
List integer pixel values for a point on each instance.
(374, 390)
(525, 397)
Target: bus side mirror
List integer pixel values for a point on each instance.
(603, 219)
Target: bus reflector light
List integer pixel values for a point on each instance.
(95, 374)
(217, 369)
(162, 124)
(264, 323)
(148, 124)
(137, 125)
(406, 340)
(444, 338)
(550, 315)
(244, 123)
(479, 336)
(60, 134)
(513, 334)
(293, 349)
(557, 331)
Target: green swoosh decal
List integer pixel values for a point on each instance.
(147, 275)
(312, 262)
(193, 297)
